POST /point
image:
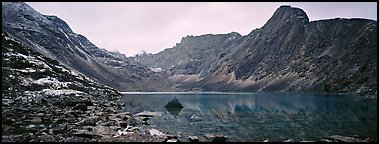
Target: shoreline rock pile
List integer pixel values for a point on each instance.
(44, 101)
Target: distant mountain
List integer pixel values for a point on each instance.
(288, 53)
(52, 37)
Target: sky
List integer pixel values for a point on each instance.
(133, 27)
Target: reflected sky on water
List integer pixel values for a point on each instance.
(255, 117)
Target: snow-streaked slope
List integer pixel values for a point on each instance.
(53, 37)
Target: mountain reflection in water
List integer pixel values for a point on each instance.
(255, 117)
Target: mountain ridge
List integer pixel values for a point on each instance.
(54, 38)
(288, 53)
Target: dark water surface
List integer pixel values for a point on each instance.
(256, 117)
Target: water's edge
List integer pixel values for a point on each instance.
(242, 114)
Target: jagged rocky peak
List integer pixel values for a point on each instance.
(17, 10)
(286, 16)
(18, 6)
(20, 13)
(287, 12)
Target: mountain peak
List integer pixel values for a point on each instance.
(16, 6)
(286, 15)
(15, 12)
(288, 12)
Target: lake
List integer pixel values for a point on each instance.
(259, 116)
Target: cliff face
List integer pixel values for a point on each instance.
(288, 53)
(193, 55)
(52, 37)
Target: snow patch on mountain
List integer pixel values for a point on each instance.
(158, 69)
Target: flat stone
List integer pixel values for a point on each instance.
(113, 117)
(289, 140)
(172, 140)
(142, 118)
(90, 121)
(216, 138)
(90, 107)
(147, 114)
(346, 139)
(193, 139)
(36, 120)
(156, 132)
(102, 130)
(326, 140)
(196, 118)
(40, 114)
(107, 105)
(209, 136)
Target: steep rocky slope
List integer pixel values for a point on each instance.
(288, 53)
(44, 101)
(41, 97)
(52, 37)
(193, 55)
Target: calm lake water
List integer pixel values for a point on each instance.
(256, 117)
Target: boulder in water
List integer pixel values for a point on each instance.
(174, 104)
(174, 107)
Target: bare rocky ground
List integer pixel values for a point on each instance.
(44, 101)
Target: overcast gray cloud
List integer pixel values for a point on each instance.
(132, 27)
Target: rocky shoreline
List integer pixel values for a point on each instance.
(92, 118)
(76, 117)
(46, 101)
